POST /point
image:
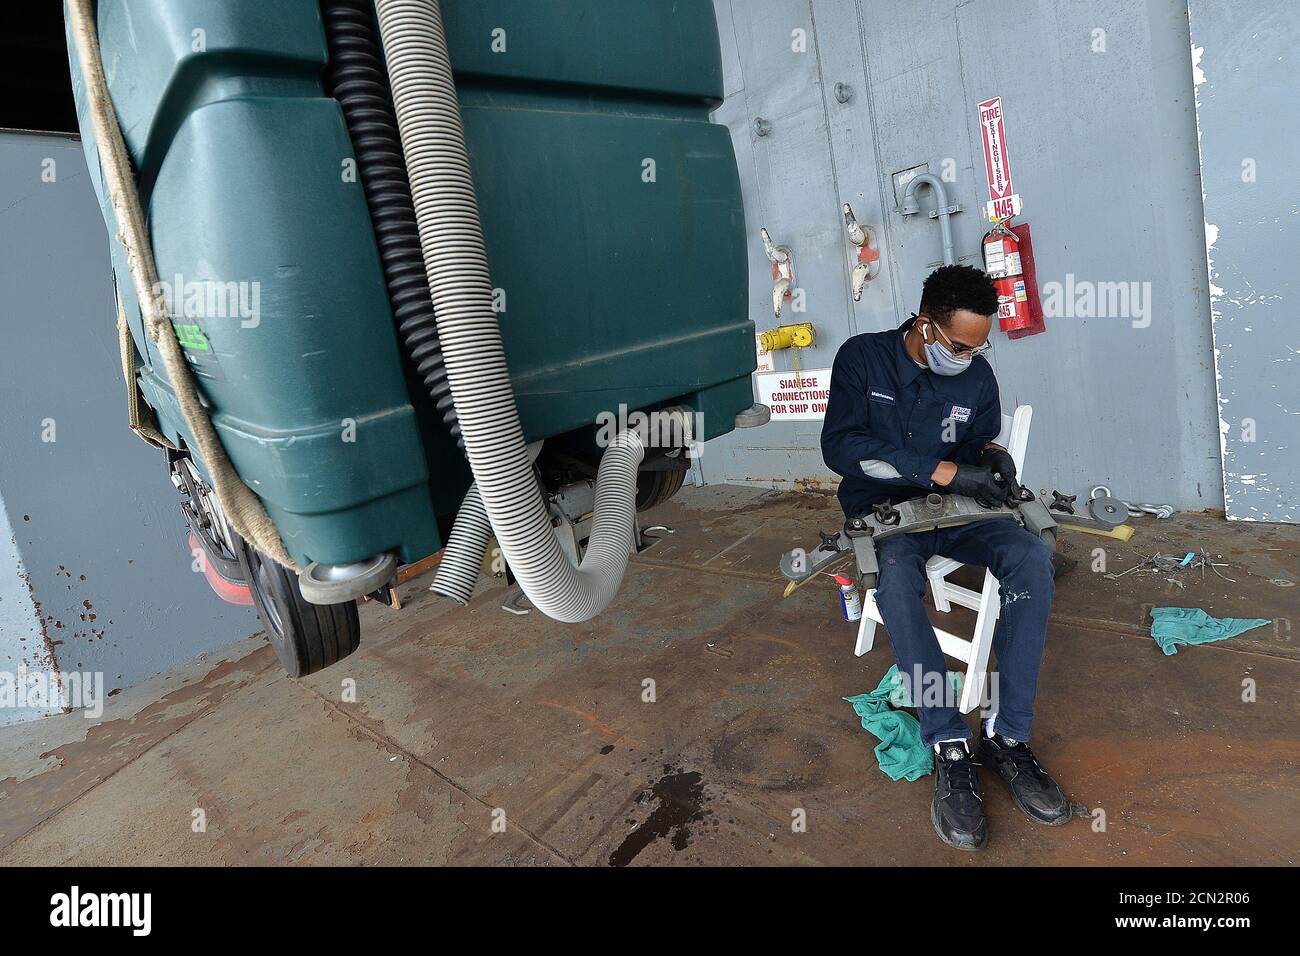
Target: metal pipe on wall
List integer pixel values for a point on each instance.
(943, 209)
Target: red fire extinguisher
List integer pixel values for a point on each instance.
(1002, 263)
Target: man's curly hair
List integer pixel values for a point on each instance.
(951, 288)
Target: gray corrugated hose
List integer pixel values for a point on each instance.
(462, 556)
(433, 141)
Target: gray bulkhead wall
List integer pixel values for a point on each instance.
(1247, 75)
(1101, 136)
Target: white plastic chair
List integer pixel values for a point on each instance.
(974, 651)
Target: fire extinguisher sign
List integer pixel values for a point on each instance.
(1003, 202)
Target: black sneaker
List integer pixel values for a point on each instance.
(1034, 792)
(957, 811)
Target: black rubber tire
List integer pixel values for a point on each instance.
(656, 487)
(306, 637)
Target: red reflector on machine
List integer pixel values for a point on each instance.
(232, 592)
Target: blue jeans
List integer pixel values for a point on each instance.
(1022, 563)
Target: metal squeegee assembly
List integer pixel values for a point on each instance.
(910, 517)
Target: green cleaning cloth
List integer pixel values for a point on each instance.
(1174, 626)
(900, 752)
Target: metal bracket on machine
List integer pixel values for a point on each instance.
(571, 509)
(864, 551)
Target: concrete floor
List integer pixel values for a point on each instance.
(481, 737)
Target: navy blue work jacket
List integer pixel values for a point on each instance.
(890, 422)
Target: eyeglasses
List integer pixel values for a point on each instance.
(962, 350)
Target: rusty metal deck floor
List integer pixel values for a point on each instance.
(468, 717)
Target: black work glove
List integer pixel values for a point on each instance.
(998, 461)
(977, 482)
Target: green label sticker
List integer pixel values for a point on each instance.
(191, 337)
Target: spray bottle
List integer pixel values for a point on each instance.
(850, 599)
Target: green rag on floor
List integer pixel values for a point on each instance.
(1175, 626)
(900, 753)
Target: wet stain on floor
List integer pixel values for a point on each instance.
(681, 796)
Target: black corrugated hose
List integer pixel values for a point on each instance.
(357, 79)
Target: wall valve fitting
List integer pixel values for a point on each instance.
(857, 235)
(867, 266)
(800, 336)
(782, 260)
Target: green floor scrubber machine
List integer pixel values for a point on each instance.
(396, 277)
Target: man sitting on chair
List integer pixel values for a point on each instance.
(913, 411)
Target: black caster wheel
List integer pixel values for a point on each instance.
(656, 487)
(306, 637)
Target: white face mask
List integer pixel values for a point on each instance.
(939, 357)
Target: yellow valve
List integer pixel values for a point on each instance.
(799, 336)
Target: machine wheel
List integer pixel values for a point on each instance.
(306, 637)
(656, 487)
